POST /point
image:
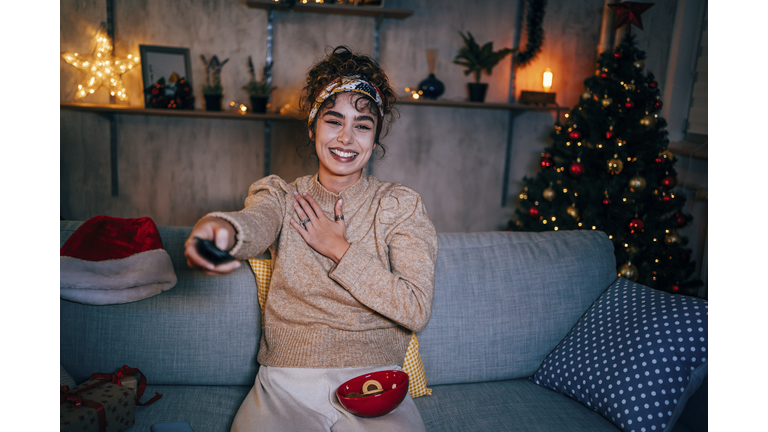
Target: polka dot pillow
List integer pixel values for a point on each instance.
(412, 365)
(635, 357)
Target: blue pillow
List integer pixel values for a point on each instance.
(635, 357)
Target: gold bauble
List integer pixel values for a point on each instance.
(573, 211)
(549, 194)
(629, 86)
(672, 238)
(628, 271)
(607, 101)
(637, 184)
(523, 196)
(648, 121)
(639, 64)
(615, 166)
(586, 95)
(668, 155)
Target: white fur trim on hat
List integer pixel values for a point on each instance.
(136, 277)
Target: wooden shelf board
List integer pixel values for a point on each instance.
(334, 9)
(406, 100)
(134, 110)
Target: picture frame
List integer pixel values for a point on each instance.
(162, 62)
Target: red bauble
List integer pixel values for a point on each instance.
(681, 220)
(660, 160)
(657, 104)
(675, 288)
(668, 182)
(576, 169)
(608, 135)
(533, 212)
(607, 201)
(666, 198)
(604, 75)
(636, 226)
(575, 134)
(629, 104)
(547, 163)
(653, 84)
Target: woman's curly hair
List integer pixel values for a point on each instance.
(342, 62)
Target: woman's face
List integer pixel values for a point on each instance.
(344, 138)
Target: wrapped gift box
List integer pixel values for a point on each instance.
(80, 407)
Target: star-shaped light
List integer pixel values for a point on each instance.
(101, 68)
(629, 13)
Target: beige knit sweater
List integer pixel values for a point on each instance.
(359, 312)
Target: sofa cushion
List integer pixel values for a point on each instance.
(205, 331)
(512, 405)
(504, 300)
(205, 408)
(635, 357)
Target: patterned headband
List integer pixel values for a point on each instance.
(353, 83)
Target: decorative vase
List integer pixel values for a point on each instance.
(431, 87)
(258, 104)
(477, 91)
(213, 102)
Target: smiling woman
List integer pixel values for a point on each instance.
(353, 261)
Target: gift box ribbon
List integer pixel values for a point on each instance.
(126, 371)
(73, 397)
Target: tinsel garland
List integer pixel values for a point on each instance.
(535, 33)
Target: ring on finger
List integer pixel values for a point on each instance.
(339, 217)
(304, 223)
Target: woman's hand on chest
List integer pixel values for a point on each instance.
(323, 234)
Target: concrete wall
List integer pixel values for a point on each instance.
(176, 170)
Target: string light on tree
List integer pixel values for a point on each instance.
(101, 68)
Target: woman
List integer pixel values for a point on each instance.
(353, 261)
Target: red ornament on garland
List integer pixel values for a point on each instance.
(604, 75)
(653, 84)
(660, 160)
(533, 212)
(576, 169)
(636, 226)
(675, 288)
(657, 104)
(617, 54)
(607, 201)
(629, 104)
(575, 134)
(668, 182)
(609, 135)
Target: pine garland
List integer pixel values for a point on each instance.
(535, 33)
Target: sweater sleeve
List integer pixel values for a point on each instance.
(258, 225)
(403, 292)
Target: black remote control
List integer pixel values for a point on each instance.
(208, 250)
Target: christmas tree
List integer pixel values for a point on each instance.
(609, 169)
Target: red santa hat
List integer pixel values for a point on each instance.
(112, 260)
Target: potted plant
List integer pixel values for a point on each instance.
(212, 90)
(477, 59)
(258, 90)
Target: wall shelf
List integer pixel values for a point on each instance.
(405, 100)
(109, 109)
(332, 9)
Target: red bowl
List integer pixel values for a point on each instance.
(395, 384)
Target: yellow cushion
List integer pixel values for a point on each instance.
(413, 365)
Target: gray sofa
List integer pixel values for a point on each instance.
(503, 302)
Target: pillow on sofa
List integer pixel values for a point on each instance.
(635, 356)
(412, 365)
